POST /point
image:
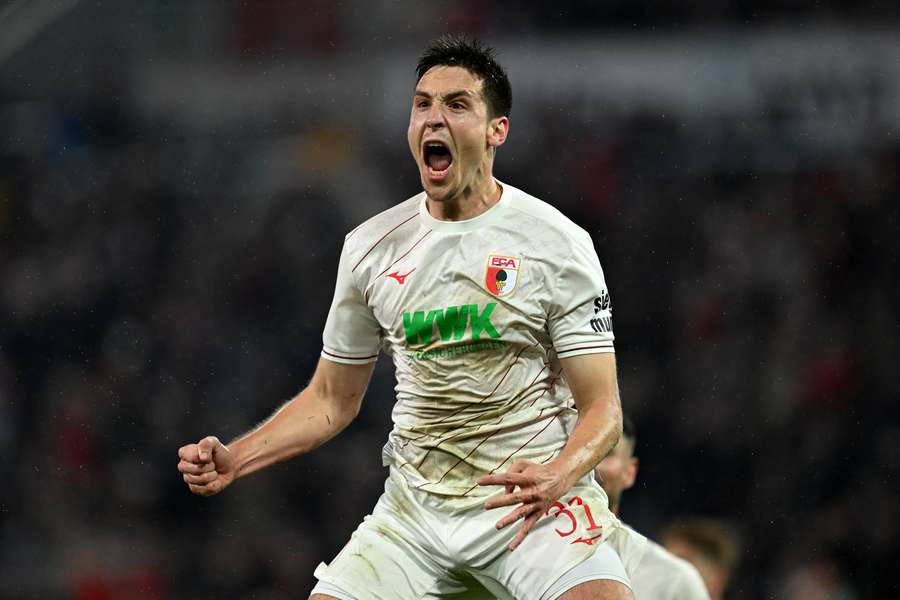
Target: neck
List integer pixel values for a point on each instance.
(474, 199)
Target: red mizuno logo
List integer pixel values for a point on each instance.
(588, 541)
(401, 279)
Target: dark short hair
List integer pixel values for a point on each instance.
(628, 431)
(477, 59)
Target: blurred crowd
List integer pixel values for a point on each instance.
(158, 286)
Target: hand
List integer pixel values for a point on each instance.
(539, 486)
(207, 467)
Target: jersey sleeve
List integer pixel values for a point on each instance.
(579, 314)
(352, 334)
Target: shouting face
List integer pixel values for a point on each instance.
(451, 136)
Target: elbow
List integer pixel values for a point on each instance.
(352, 408)
(341, 405)
(340, 412)
(616, 421)
(617, 417)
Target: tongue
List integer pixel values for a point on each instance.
(439, 162)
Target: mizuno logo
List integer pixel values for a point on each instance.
(588, 541)
(452, 323)
(401, 279)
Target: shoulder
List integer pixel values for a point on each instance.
(382, 225)
(546, 216)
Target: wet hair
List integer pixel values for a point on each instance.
(477, 59)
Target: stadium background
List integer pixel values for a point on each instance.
(175, 182)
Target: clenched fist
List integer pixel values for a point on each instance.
(207, 467)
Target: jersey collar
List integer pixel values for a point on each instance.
(488, 217)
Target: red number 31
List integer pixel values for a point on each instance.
(562, 510)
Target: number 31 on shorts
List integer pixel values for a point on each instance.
(580, 510)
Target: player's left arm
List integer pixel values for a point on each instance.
(592, 379)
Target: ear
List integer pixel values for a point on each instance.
(497, 130)
(630, 473)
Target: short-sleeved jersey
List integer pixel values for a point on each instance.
(475, 315)
(663, 576)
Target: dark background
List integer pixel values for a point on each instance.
(175, 182)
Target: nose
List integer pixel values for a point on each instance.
(434, 119)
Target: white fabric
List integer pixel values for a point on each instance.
(661, 575)
(419, 545)
(478, 377)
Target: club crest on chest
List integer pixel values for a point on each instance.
(502, 274)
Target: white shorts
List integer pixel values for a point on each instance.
(417, 545)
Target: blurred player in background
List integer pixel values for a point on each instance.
(709, 545)
(495, 311)
(660, 575)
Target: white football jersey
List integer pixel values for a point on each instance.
(475, 315)
(663, 576)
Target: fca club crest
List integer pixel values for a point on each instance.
(502, 274)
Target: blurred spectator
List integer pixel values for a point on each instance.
(707, 544)
(659, 575)
(819, 580)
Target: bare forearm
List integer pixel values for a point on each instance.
(596, 432)
(592, 379)
(301, 425)
(327, 405)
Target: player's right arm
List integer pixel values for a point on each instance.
(322, 410)
(351, 341)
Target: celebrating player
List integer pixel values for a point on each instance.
(660, 575)
(494, 309)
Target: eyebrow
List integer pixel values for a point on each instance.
(447, 96)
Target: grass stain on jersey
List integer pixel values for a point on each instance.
(451, 322)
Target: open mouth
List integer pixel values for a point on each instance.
(437, 158)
